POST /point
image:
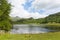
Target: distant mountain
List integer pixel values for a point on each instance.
(15, 18)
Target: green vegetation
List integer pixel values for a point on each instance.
(44, 36)
(5, 8)
(27, 21)
(53, 18)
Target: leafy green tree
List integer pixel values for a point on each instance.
(5, 8)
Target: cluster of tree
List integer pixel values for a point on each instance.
(53, 18)
(49, 19)
(5, 8)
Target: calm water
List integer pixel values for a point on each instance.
(24, 29)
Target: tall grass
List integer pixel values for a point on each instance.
(44, 36)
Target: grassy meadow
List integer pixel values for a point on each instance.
(42, 36)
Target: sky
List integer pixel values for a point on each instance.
(34, 8)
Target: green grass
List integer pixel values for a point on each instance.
(44, 36)
(53, 24)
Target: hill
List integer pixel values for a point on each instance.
(53, 18)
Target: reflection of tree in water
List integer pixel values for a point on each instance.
(16, 28)
(30, 28)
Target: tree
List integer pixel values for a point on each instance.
(5, 8)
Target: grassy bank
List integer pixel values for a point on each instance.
(45, 36)
(53, 24)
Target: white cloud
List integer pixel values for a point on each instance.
(46, 4)
(18, 10)
(50, 6)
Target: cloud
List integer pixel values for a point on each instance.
(46, 5)
(18, 10)
(34, 8)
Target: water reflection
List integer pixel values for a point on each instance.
(24, 28)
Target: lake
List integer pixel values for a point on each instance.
(28, 29)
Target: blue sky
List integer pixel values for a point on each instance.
(34, 8)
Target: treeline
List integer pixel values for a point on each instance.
(53, 18)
